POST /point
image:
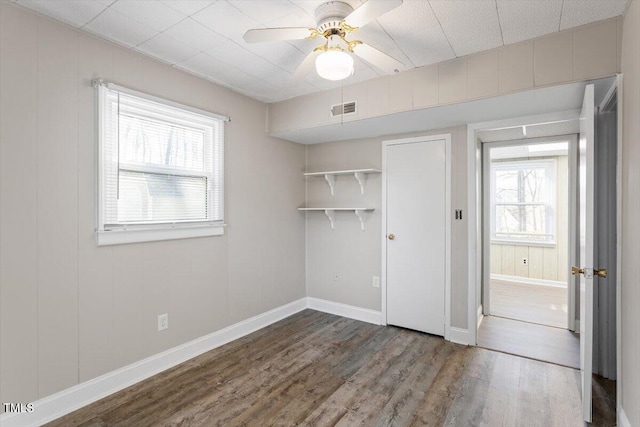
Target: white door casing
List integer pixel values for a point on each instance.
(586, 185)
(572, 247)
(416, 211)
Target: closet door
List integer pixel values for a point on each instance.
(416, 245)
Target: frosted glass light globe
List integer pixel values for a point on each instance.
(334, 65)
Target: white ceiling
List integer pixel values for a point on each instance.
(204, 37)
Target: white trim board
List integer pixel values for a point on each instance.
(623, 421)
(345, 310)
(619, 196)
(56, 405)
(459, 335)
(528, 281)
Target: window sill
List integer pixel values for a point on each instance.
(524, 243)
(120, 237)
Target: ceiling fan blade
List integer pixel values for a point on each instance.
(306, 66)
(369, 11)
(274, 34)
(379, 59)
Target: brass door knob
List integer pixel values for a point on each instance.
(600, 273)
(391, 236)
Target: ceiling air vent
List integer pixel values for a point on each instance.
(343, 109)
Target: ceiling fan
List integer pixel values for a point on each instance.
(335, 21)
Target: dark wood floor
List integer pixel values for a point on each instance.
(316, 369)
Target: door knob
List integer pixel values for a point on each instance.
(391, 236)
(600, 273)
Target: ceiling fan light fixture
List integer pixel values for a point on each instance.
(334, 64)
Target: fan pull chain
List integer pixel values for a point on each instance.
(342, 102)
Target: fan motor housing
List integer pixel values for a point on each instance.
(329, 16)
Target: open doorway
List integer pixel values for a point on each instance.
(595, 279)
(527, 206)
(529, 229)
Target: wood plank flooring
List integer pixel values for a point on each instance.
(545, 343)
(546, 305)
(316, 369)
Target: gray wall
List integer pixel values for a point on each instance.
(574, 55)
(630, 207)
(71, 311)
(354, 255)
(349, 252)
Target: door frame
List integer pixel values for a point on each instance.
(572, 219)
(474, 208)
(447, 292)
(618, 89)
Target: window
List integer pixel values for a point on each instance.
(523, 201)
(161, 169)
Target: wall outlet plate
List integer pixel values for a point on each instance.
(375, 282)
(163, 321)
(525, 261)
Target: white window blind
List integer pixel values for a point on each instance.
(161, 166)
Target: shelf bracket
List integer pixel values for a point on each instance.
(330, 213)
(360, 214)
(331, 180)
(362, 179)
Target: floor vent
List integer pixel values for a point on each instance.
(343, 109)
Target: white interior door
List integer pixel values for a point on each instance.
(416, 231)
(586, 154)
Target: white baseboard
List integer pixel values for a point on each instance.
(480, 316)
(459, 335)
(345, 310)
(66, 401)
(528, 281)
(623, 421)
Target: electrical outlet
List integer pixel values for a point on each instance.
(163, 321)
(525, 261)
(336, 277)
(375, 282)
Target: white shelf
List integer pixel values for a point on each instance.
(330, 176)
(360, 213)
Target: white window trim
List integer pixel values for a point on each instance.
(550, 165)
(137, 233)
(154, 234)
